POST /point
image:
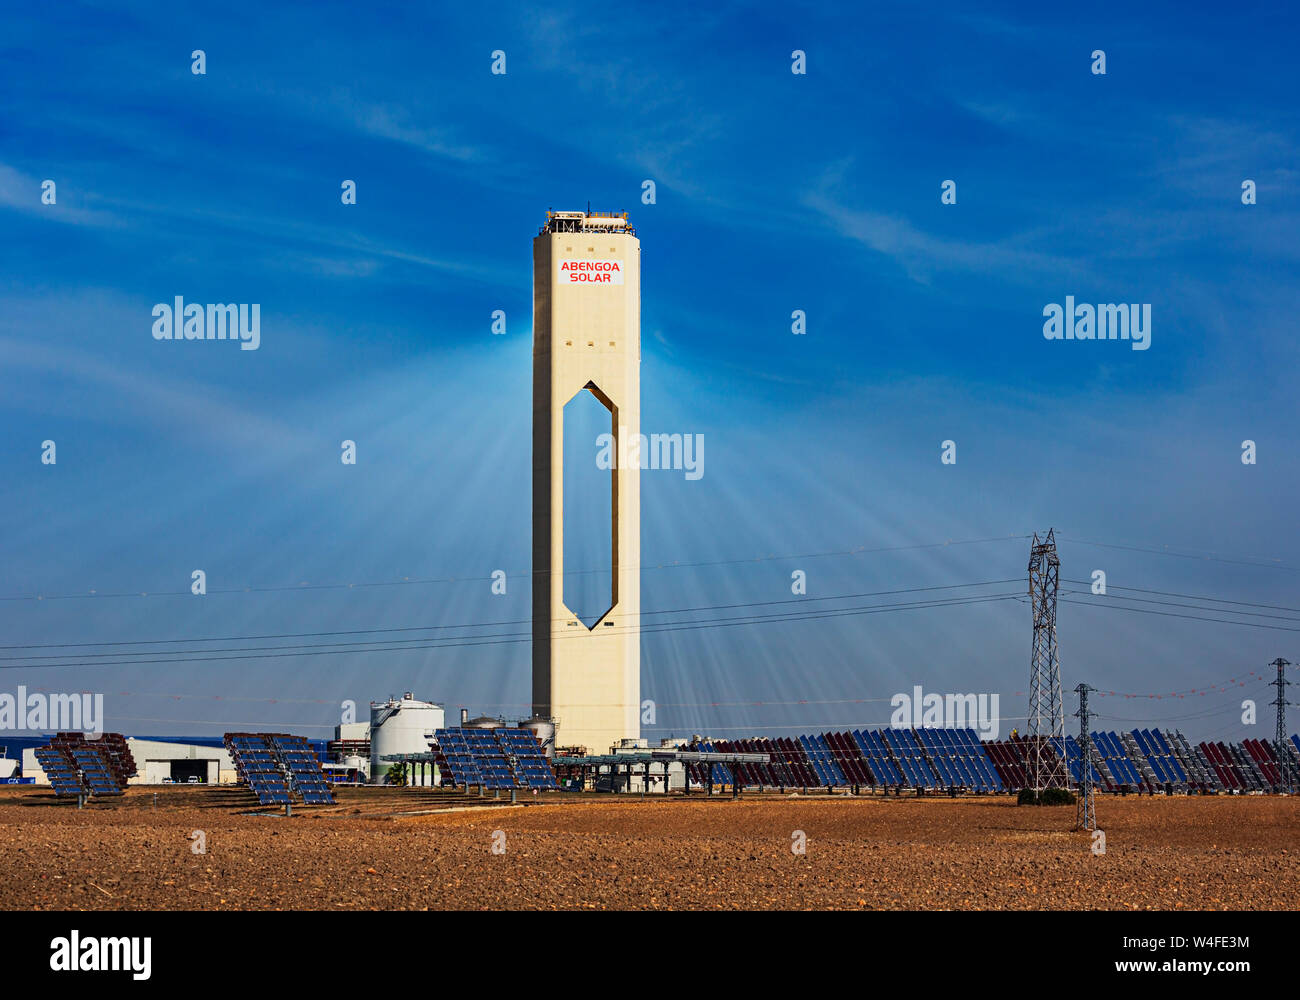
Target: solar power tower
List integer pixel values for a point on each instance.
(1046, 711)
(587, 338)
(1279, 737)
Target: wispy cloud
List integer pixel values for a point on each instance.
(919, 253)
(1211, 156)
(404, 125)
(148, 398)
(22, 192)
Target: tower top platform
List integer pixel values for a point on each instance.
(587, 222)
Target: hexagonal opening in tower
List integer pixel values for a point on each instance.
(590, 500)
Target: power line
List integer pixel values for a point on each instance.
(750, 703)
(520, 574)
(1190, 597)
(431, 642)
(325, 649)
(1204, 689)
(1171, 614)
(1200, 556)
(1207, 714)
(1102, 598)
(278, 724)
(516, 621)
(805, 727)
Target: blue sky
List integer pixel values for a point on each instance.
(775, 192)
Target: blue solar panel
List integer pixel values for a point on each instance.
(499, 759)
(63, 777)
(980, 759)
(80, 771)
(277, 765)
(831, 765)
(1118, 762)
(882, 770)
(907, 750)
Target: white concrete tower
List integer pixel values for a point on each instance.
(586, 336)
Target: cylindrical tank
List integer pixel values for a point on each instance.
(544, 730)
(485, 722)
(402, 725)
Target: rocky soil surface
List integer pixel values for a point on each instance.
(420, 849)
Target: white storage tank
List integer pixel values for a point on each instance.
(402, 725)
(544, 730)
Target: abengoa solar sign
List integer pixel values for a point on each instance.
(584, 270)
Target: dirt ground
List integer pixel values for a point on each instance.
(420, 849)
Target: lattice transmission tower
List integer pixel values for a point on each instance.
(1046, 712)
(1279, 737)
(1085, 817)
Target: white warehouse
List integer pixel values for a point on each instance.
(161, 763)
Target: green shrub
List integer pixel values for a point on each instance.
(1049, 797)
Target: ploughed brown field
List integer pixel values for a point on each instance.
(405, 849)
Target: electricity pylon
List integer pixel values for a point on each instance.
(1279, 737)
(1046, 712)
(1085, 816)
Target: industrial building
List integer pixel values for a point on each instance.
(586, 338)
(159, 762)
(347, 756)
